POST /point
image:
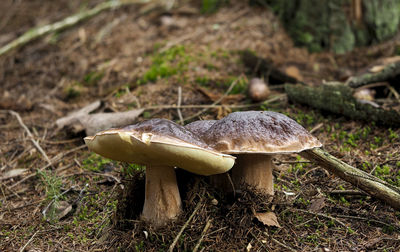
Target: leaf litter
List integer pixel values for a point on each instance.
(106, 217)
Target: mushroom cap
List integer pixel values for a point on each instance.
(200, 127)
(259, 132)
(258, 90)
(160, 142)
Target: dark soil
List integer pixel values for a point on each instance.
(112, 57)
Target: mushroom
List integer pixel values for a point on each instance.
(254, 137)
(221, 181)
(258, 90)
(200, 127)
(161, 145)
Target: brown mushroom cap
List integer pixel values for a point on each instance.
(200, 127)
(259, 132)
(160, 142)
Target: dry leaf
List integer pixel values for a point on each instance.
(383, 63)
(228, 99)
(12, 174)
(365, 94)
(249, 247)
(372, 242)
(268, 219)
(62, 209)
(377, 69)
(317, 204)
(294, 72)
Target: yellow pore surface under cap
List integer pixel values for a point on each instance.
(149, 149)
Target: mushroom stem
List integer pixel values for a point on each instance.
(162, 200)
(254, 170)
(222, 182)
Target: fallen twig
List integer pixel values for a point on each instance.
(233, 84)
(62, 141)
(23, 206)
(265, 68)
(65, 23)
(30, 136)
(206, 227)
(209, 106)
(321, 215)
(29, 241)
(337, 98)
(117, 180)
(171, 248)
(53, 161)
(317, 127)
(347, 192)
(369, 220)
(360, 179)
(283, 245)
(390, 71)
(12, 192)
(178, 108)
(261, 242)
(394, 92)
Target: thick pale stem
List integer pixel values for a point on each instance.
(254, 170)
(222, 182)
(162, 201)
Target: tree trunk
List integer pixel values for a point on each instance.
(337, 25)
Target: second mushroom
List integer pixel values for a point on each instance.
(254, 137)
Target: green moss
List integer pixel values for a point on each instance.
(122, 90)
(203, 81)
(92, 78)
(93, 216)
(72, 91)
(320, 25)
(130, 169)
(384, 17)
(366, 166)
(393, 136)
(239, 88)
(378, 140)
(211, 6)
(96, 163)
(165, 64)
(382, 170)
(146, 114)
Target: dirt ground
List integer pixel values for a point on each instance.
(131, 58)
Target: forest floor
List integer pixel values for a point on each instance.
(130, 58)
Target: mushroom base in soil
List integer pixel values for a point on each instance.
(162, 199)
(160, 145)
(254, 170)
